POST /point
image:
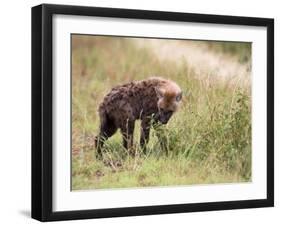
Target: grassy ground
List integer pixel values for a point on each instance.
(209, 138)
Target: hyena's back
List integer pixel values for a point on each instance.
(130, 101)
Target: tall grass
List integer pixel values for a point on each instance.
(208, 139)
(241, 50)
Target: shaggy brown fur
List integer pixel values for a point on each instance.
(154, 99)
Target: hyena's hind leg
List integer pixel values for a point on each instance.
(107, 129)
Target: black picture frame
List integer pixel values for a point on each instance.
(42, 107)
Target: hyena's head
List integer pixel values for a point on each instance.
(169, 96)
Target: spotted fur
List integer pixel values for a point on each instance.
(151, 100)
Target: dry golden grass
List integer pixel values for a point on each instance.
(209, 138)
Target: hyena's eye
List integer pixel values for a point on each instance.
(178, 97)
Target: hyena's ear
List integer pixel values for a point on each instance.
(179, 97)
(159, 92)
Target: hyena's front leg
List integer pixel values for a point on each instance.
(160, 133)
(127, 131)
(145, 129)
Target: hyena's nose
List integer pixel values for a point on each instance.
(164, 121)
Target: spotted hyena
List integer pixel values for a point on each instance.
(153, 100)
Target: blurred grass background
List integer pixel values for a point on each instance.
(209, 138)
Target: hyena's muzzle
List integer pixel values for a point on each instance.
(164, 116)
